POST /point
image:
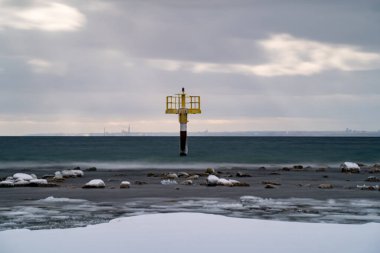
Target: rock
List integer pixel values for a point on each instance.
(68, 173)
(224, 182)
(241, 174)
(325, 176)
(262, 168)
(22, 176)
(210, 171)
(187, 182)
(91, 169)
(183, 174)
(21, 183)
(78, 173)
(298, 167)
(372, 179)
(48, 176)
(171, 176)
(168, 182)
(140, 182)
(58, 177)
(274, 173)
(193, 177)
(241, 184)
(38, 181)
(286, 169)
(349, 167)
(125, 184)
(368, 187)
(6, 184)
(375, 168)
(212, 180)
(95, 183)
(270, 182)
(77, 168)
(151, 174)
(325, 186)
(270, 186)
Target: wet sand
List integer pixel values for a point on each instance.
(295, 183)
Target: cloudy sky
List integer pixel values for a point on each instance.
(78, 66)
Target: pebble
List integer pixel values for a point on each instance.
(325, 186)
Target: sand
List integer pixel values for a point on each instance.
(295, 183)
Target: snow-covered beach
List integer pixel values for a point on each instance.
(194, 232)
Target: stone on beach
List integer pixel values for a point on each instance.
(95, 183)
(72, 173)
(22, 179)
(187, 182)
(372, 179)
(78, 173)
(224, 182)
(58, 177)
(170, 176)
(210, 171)
(212, 180)
(183, 174)
(270, 186)
(23, 176)
(375, 168)
(242, 174)
(193, 177)
(350, 167)
(325, 186)
(298, 167)
(125, 184)
(6, 183)
(368, 187)
(91, 169)
(270, 182)
(38, 181)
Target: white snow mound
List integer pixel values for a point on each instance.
(211, 179)
(96, 183)
(22, 176)
(350, 165)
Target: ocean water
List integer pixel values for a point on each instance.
(151, 152)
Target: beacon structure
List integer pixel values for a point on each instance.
(183, 105)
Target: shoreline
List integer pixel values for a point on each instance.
(293, 183)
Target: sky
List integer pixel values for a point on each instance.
(82, 66)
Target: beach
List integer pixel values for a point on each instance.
(146, 183)
(302, 189)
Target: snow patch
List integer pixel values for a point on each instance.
(52, 199)
(168, 182)
(210, 233)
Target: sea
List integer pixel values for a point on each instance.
(161, 152)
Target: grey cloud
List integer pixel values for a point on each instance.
(106, 79)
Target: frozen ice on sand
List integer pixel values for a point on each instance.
(193, 232)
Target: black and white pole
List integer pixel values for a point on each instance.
(183, 139)
(183, 124)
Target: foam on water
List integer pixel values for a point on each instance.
(64, 213)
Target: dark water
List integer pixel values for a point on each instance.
(156, 151)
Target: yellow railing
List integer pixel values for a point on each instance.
(192, 104)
